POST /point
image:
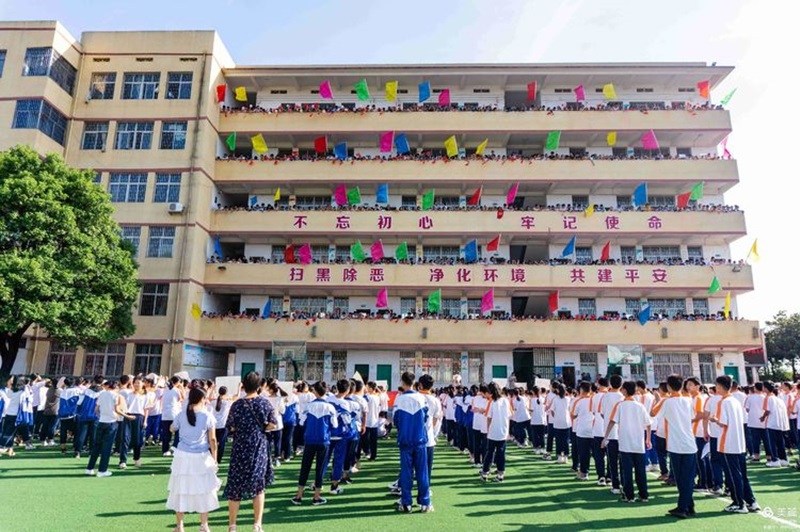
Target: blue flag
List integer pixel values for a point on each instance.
(569, 249)
(340, 151)
(640, 195)
(471, 251)
(382, 195)
(217, 247)
(401, 143)
(424, 91)
(253, 201)
(644, 314)
(267, 309)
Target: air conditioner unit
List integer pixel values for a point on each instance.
(175, 208)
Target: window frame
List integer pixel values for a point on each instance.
(167, 188)
(140, 85)
(154, 299)
(100, 136)
(160, 243)
(181, 86)
(171, 139)
(135, 187)
(109, 86)
(134, 135)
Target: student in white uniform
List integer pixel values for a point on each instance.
(373, 420)
(754, 406)
(521, 415)
(171, 407)
(110, 407)
(133, 428)
(220, 410)
(598, 432)
(777, 425)
(479, 407)
(433, 424)
(582, 413)
(610, 399)
(634, 423)
(538, 420)
(558, 411)
(714, 432)
(498, 415)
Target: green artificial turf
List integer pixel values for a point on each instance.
(40, 491)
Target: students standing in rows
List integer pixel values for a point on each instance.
(110, 407)
(777, 424)
(562, 424)
(171, 407)
(633, 422)
(598, 432)
(538, 421)
(498, 414)
(433, 425)
(479, 404)
(410, 417)
(713, 431)
(582, 414)
(756, 422)
(373, 420)
(86, 415)
(729, 416)
(318, 419)
(610, 399)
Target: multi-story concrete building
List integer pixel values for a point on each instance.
(215, 221)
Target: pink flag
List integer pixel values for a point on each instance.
(444, 98)
(304, 254)
(512, 193)
(579, 93)
(325, 90)
(386, 141)
(649, 141)
(487, 301)
(376, 251)
(725, 153)
(382, 301)
(340, 195)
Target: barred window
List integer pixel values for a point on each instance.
(48, 62)
(127, 188)
(451, 307)
(109, 361)
(168, 188)
(61, 360)
(700, 306)
(37, 61)
(38, 114)
(179, 85)
(670, 307)
(103, 84)
(148, 359)
(160, 242)
(173, 135)
(2, 61)
(94, 135)
(341, 305)
(661, 253)
(134, 136)
(583, 255)
(408, 305)
(155, 297)
(132, 234)
(140, 86)
(587, 307)
(308, 304)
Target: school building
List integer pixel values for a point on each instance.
(215, 214)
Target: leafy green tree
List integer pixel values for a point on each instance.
(783, 340)
(63, 264)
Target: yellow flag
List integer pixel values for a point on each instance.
(728, 306)
(611, 138)
(451, 146)
(589, 211)
(259, 144)
(609, 92)
(240, 94)
(754, 252)
(481, 147)
(278, 194)
(196, 311)
(391, 91)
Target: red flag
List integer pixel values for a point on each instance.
(704, 88)
(493, 244)
(725, 153)
(288, 254)
(531, 91)
(475, 199)
(221, 93)
(500, 213)
(552, 302)
(321, 144)
(683, 200)
(605, 255)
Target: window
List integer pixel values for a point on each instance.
(173, 135)
(644, 89)
(109, 361)
(583, 255)
(695, 253)
(127, 188)
(587, 307)
(338, 365)
(341, 305)
(441, 252)
(2, 61)
(134, 135)
(94, 135)
(670, 307)
(700, 306)
(38, 114)
(148, 359)
(312, 202)
(623, 202)
(632, 306)
(627, 253)
(588, 365)
(451, 307)
(446, 201)
(580, 201)
(685, 89)
(179, 85)
(155, 297)
(563, 91)
(311, 305)
(168, 188)
(473, 307)
(47, 62)
(140, 86)
(661, 201)
(666, 364)
(661, 253)
(103, 84)
(408, 305)
(160, 243)
(61, 360)
(320, 253)
(132, 234)
(684, 153)
(707, 372)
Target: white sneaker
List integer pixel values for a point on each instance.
(277, 463)
(29, 447)
(601, 482)
(90, 472)
(615, 491)
(167, 454)
(123, 465)
(784, 463)
(104, 474)
(354, 469)
(137, 463)
(774, 463)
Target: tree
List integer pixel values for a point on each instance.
(63, 263)
(783, 339)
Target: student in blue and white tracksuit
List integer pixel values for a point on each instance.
(87, 416)
(67, 408)
(434, 422)
(410, 417)
(318, 419)
(343, 436)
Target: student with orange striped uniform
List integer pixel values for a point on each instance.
(729, 417)
(681, 444)
(582, 413)
(692, 386)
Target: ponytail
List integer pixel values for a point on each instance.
(196, 396)
(223, 390)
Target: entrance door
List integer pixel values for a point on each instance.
(732, 372)
(568, 373)
(523, 366)
(247, 367)
(363, 370)
(384, 373)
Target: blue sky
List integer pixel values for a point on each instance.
(759, 38)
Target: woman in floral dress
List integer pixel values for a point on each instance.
(250, 468)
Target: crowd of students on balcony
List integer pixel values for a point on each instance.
(390, 315)
(410, 107)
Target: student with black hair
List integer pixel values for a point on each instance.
(67, 407)
(17, 415)
(433, 424)
(598, 432)
(777, 423)
(318, 419)
(220, 409)
(610, 399)
(538, 420)
(110, 408)
(480, 402)
(86, 415)
(342, 435)
(171, 406)
(373, 420)
(193, 482)
(410, 418)
(498, 415)
(562, 424)
(633, 421)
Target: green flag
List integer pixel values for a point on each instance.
(553, 138)
(427, 200)
(362, 91)
(715, 286)
(435, 301)
(697, 192)
(401, 253)
(727, 97)
(357, 252)
(231, 141)
(353, 196)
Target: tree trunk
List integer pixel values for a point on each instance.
(9, 348)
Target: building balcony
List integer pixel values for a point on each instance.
(702, 128)
(602, 176)
(474, 335)
(462, 225)
(474, 279)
